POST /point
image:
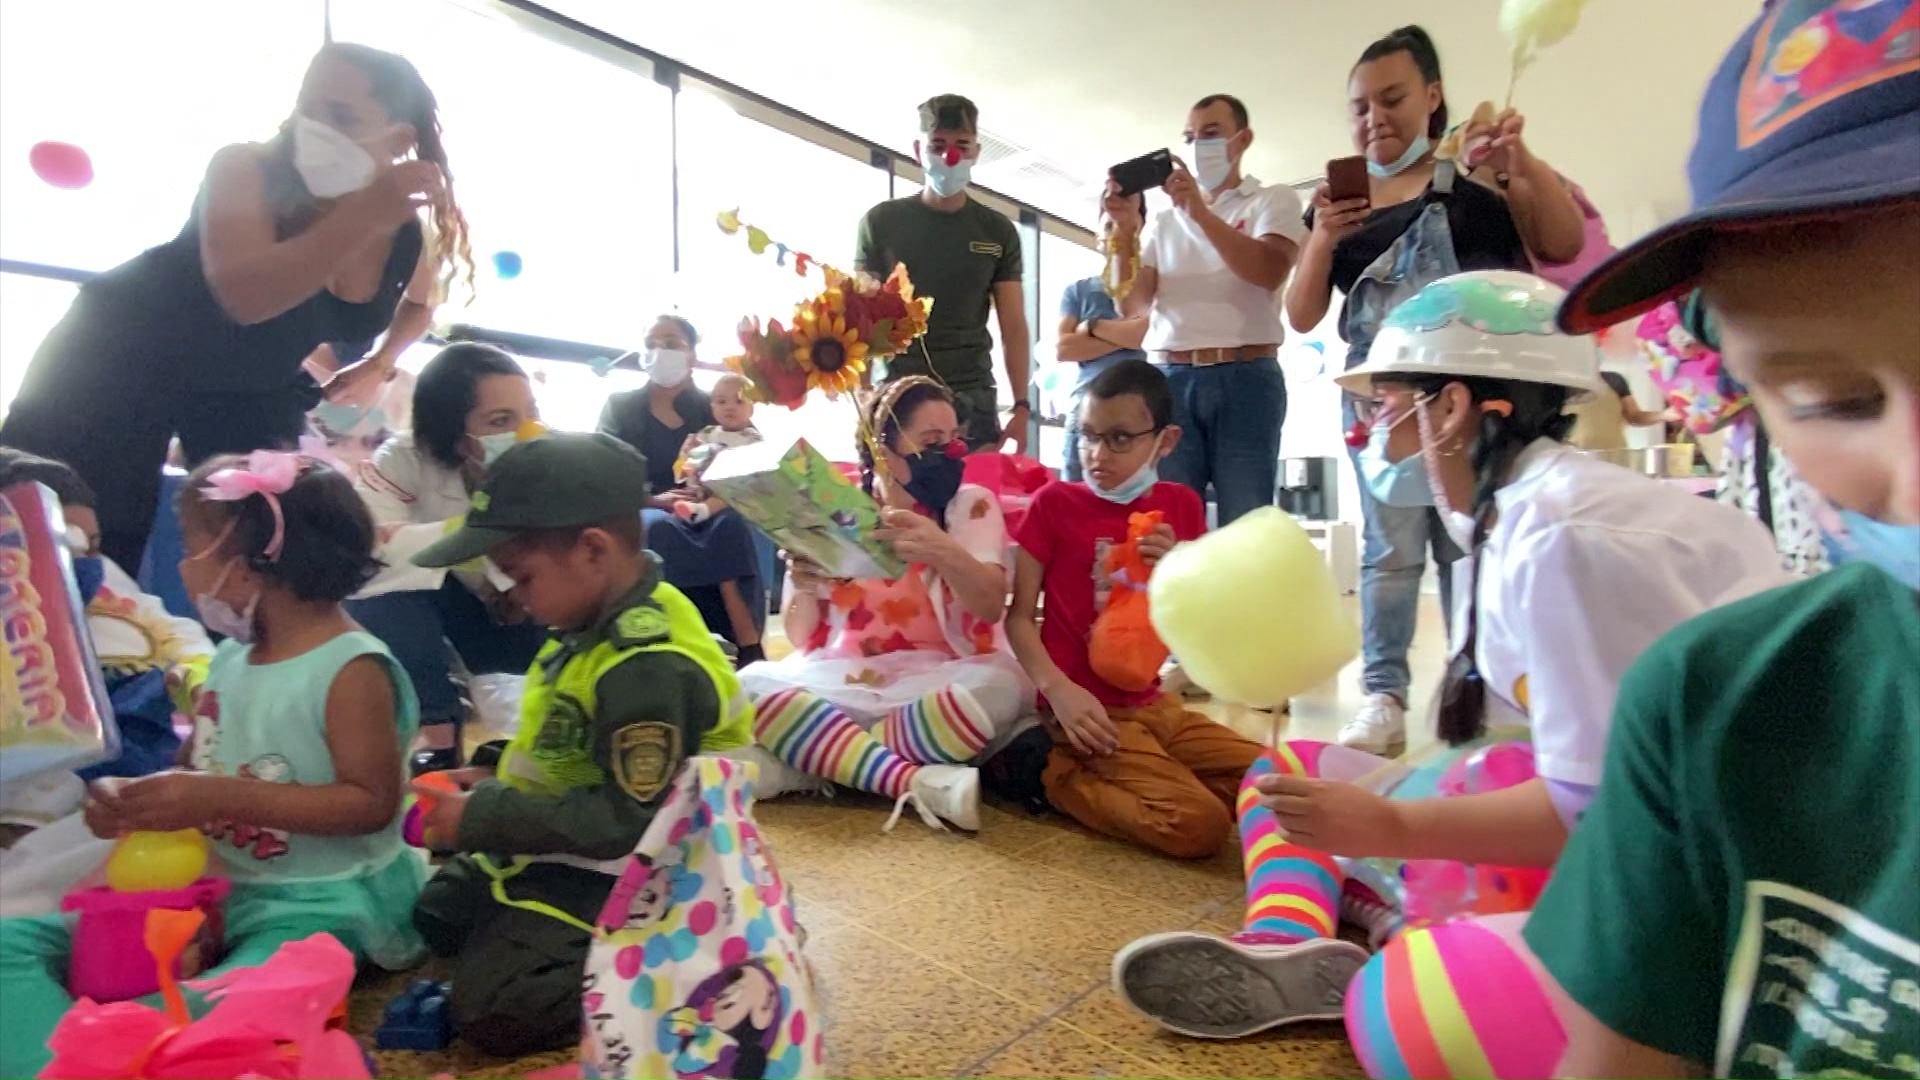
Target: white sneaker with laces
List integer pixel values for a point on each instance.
(942, 793)
(1210, 987)
(1175, 680)
(1380, 727)
(1362, 909)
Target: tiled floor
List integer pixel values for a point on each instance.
(940, 955)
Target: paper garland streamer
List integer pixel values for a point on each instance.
(758, 242)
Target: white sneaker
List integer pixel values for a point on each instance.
(943, 792)
(1380, 727)
(1175, 680)
(1210, 987)
(1360, 908)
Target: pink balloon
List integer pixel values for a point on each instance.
(63, 165)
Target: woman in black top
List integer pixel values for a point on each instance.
(714, 561)
(1421, 221)
(313, 236)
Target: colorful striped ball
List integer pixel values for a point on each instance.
(1455, 1000)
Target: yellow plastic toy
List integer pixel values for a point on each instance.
(1252, 612)
(157, 861)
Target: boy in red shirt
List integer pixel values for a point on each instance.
(1137, 766)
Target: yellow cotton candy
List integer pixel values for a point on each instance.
(157, 861)
(1533, 25)
(1251, 611)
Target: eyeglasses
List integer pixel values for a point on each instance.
(1116, 442)
(1368, 410)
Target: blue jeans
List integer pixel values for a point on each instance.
(1071, 470)
(420, 626)
(1392, 562)
(1230, 416)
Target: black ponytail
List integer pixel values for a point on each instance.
(1539, 411)
(1417, 43)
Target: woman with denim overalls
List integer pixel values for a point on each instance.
(1422, 221)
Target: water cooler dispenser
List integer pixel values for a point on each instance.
(1309, 488)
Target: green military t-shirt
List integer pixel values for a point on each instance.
(956, 258)
(1745, 890)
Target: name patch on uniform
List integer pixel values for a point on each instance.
(643, 758)
(985, 247)
(643, 624)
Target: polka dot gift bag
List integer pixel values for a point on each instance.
(696, 969)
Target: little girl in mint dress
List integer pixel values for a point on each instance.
(262, 715)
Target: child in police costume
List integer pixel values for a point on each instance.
(629, 685)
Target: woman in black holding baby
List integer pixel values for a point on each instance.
(713, 561)
(311, 237)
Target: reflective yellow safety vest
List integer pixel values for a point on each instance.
(551, 752)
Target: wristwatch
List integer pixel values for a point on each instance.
(1027, 405)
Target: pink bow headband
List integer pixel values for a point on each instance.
(268, 474)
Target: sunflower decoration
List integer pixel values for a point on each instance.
(835, 335)
(830, 350)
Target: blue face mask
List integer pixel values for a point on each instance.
(1893, 548)
(89, 572)
(337, 418)
(1415, 150)
(1133, 487)
(1393, 483)
(946, 180)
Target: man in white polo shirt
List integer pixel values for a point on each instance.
(1209, 283)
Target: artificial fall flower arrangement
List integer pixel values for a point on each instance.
(854, 321)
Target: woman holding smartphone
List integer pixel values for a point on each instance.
(1413, 221)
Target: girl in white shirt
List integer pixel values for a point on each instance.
(1580, 566)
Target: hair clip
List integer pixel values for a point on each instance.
(268, 474)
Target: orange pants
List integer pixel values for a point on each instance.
(1171, 786)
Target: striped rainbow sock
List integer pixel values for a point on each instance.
(816, 737)
(1293, 892)
(946, 727)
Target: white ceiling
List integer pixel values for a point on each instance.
(1086, 83)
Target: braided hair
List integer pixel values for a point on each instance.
(891, 406)
(1538, 412)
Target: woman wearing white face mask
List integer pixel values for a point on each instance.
(1420, 222)
(313, 236)
(714, 560)
(1574, 567)
(470, 403)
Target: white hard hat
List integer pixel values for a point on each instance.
(1489, 324)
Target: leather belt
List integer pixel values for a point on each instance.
(1238, 354)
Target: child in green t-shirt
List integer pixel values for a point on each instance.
(1744, 893)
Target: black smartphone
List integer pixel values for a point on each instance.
(1144, 172)
(1347, 179)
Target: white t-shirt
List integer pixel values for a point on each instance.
(1201, 304)
(1588, 565)
(415, 494)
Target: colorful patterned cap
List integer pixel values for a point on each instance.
(1814, 112)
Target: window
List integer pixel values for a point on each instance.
(801, 194)
(29, 307)
(559, 157)
(150, 94)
